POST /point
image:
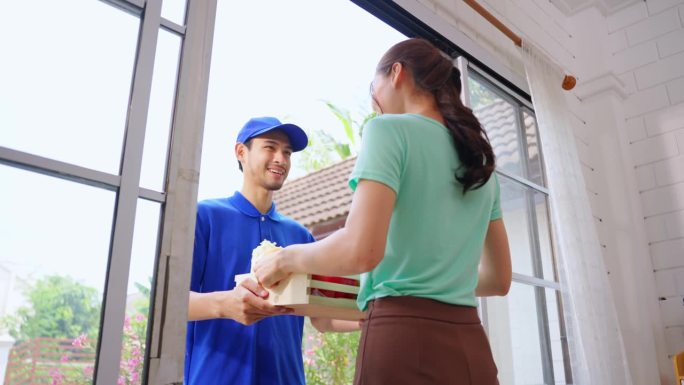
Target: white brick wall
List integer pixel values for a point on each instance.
(667, 120)
(667, 254)
(626, 17)
(669, 171)
(663, 200)
(651, 27)
(670, 43)
(646, 179)
(636, 129)
(655, 128)
(646, 101)
(654, 148)
(634, 57)
(660, 72)
(656, 6)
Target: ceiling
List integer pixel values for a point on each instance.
(607, 7)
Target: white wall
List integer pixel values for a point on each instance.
(648, 49)
(629, 120)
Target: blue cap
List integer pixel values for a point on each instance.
(259, 126)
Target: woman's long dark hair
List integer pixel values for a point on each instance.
(434, 72)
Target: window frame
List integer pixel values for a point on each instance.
(163, 356)
(537, 281)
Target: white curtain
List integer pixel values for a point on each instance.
(597, 353)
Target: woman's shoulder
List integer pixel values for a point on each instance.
(393, 118)
(403, 122)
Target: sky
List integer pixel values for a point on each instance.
(65, 97)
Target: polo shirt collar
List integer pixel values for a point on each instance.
(246, 207)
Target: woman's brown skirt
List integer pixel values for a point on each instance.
(416, 341)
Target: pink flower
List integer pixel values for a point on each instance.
(64, 358)
(121, 381)
(133, 363)
(139, 317)
(88, 371)
(56, 375)
(80, 341)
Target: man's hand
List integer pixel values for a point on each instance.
(247, 304)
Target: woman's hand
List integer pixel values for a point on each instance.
(271, 269)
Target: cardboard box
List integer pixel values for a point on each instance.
(297, 291)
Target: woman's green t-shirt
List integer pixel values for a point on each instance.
(436, 233)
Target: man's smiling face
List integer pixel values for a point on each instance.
(266, 161)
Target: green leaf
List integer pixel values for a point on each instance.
(345, 117)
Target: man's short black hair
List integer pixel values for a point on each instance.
(249, 146)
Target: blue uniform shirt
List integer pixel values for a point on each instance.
(222, 351)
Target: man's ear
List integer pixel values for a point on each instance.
(240, 149)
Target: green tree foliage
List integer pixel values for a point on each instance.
(324, 149)
(142, 305)
(58, 307)
(479, 95)
(329, 358)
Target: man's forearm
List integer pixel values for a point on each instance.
(203, 306)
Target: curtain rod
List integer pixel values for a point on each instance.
(568, 82)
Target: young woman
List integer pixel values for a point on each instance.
(424, 229)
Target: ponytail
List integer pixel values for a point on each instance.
(433, 72)
(470, 139)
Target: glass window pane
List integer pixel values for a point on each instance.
(499, 119)
(558, 338)
(535, 172)
(174, 10)
(54, 245)
(515, 208)
(513, 330)
(143, 256)
(65, 96)
(161, 109)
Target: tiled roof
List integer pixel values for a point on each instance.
(319, 196)
(499, 120)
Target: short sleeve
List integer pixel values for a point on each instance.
(199, 255)
(382, 155)
(496, 206)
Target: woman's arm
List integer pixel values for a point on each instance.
(325, 325)
(495, 270)
(356, 248)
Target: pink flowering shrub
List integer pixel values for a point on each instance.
(71, 371)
